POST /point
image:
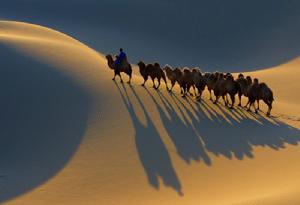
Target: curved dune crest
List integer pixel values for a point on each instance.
(11, 29)
(89, 140)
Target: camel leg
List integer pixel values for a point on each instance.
(240, 100)
(226, 103)
(217, 98)
(247, 104)
(195, 91)
(226, 97)
(210, 97)
(199, 95)
(145, 80)
(269, 107)
(255, 108)
(183, 94)
(172, 85)
(165, 80)
(232, 100)
(184, 89)
(269, 110)
(121, 80)
(158, 83)
(257, 104)
(114, 78)
(188, 90)
(248, 108)
(129, 81)
(181, 90)
(153, 83)
(252, 103)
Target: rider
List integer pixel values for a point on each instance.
(120, 57)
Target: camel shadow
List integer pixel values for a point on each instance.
(152, 152)
(234, 133)
(199, 130)
(183, 135)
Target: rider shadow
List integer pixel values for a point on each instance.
(152, 152)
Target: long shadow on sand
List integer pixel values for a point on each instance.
(152, 152)
(43, 115)
(199, 130)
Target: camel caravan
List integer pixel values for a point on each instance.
(222, 84)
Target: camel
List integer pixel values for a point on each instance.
(171, 75)
(124, 67)
(232, 88)
(159, 74)
(185, 80)
(226, 85)
(220, 89)
(144, 71)
(260, 91)
(154, 71)
(211, 80)
(199, 82)
(244, 86)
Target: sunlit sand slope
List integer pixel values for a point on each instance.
(73, 136)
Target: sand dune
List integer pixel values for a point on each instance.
(70, 135)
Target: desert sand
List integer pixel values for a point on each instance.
(71, 135)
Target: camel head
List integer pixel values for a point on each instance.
(229, 77)
(110, 61)
(228, 74)
(167, 68)
(220, 76)
(196, 70)
(141, 64)
(249, 80)
(178, 72)
(108, 56)
(186, 71)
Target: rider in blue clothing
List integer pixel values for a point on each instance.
(120, 57)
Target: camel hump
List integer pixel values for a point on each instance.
(263, 85)
(266, 91)
(168, 66)
(186, 70)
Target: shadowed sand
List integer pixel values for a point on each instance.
(43, 118)
(71, 135)
(225, 132)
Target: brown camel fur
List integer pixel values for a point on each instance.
(199, 82)
(260, 91)
(211, 80)
(171, 75)
(154, 71)
(124, 67)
